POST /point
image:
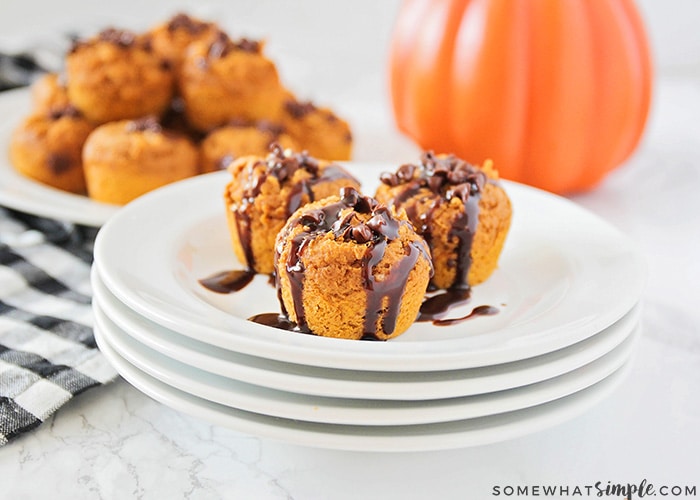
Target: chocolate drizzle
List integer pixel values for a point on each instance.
(374, 229)
(477, 311)
(436, 306)
(228, 281)
(281, 165)
(436, 181)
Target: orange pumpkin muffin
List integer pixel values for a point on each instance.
(320, 131)
(117, 75)
(47, 147)
(231, 141)
(348, 267)
(171, 39)
(222, 80)
(265, 191)
(461, 211)
(49, 93)
(128, 158)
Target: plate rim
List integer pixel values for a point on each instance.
(453, 435)
(419, 385)
(356, 411)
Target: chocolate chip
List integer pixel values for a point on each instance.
(349, 196)
(361, 233)
(389, 178)
(405, 172)
(297, 109)
(312, 218)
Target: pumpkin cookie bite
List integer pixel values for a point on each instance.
(117, 75)
(224, 144)
(460, 209)
(47, 147)
(171, 39)
(348, 267)
(222, 80)
(319, 130)
(128, 158)
(265, 190)
(49, 93)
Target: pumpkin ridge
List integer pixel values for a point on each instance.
(556, 92)
(645, 80)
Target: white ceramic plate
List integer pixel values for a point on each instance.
(564, 275)
(24, 194)
(368, 412)
(390, 438)
(318, 381)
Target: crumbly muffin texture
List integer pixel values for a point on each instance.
(348, 267)
(116, 75)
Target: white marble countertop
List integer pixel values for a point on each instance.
(114, 442)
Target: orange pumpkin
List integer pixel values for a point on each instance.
(556, 92)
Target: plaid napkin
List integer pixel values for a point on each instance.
(47, 348)
(21, 68)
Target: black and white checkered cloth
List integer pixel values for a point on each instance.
(47, 348)
(20, 68)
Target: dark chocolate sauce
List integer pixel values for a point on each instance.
(390, 289)
(437, 305)
(274, 320)
(228, 281)
(477, 311)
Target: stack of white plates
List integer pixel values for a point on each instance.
(568, 289)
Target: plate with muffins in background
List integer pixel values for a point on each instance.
(247, 272)
(130, 112)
